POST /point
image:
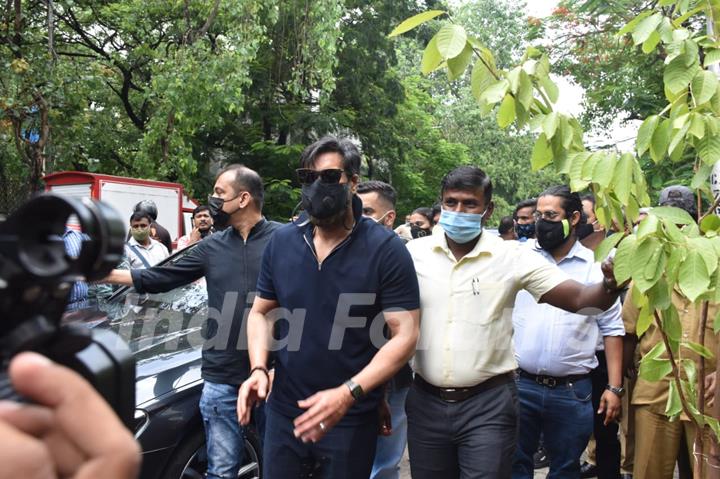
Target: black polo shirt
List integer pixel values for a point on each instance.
(368, 273)
(230, 265)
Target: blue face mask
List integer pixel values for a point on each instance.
(525, 231)
(461, 227)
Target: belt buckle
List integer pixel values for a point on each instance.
(447, 398)
(547, 381)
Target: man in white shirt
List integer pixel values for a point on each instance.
(462, 407)
(556, 349)
(141, 250)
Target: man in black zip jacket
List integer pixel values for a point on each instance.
(230, 261)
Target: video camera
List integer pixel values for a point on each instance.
(36, 278)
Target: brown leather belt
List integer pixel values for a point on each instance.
(463, 393)
(552, 381)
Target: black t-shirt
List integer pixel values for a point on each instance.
(331, 313)
(230, 266)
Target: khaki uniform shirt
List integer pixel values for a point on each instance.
(655, 394)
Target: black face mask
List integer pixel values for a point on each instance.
(584, 230)
(324, 200)
(221, 219)
(418, 232)
(551, 234)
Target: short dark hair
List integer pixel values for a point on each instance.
(506, 224)
(246, 180)
(139, 215)
(426, 212)
(384, 190)
(436, 209)
(588, 197)
(200, 209)
(467, 178)
(527, 203)
(330, 144)
(571, 201)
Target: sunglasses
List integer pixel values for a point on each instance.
(306, 176)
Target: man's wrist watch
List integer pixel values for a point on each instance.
(355, 389)
(619, 392)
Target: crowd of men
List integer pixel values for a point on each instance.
(471, 348)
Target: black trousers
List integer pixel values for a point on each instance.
(607, 453)
(471, 439)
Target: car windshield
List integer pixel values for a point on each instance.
(153, 325)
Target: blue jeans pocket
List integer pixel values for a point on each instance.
(581, 390)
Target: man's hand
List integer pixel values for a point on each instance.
(608, 270)
(384, 419)
(710, 382)
(253, 390)
(195, 236)
(324, 410)
(69, 432)
(611, 405)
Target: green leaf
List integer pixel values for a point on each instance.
(697, 126)
(542, 154)
(677, 256)
(652, 41)
(645, 252)
(678, 75)
(451, 40)
(645, 319)
(645, 133)
(701, 176)
(602, 251)
(693, 275)
(673, 407)
(648, 226)
(632, 24)
(706, 248)
(716, 323)
(414, 21)
(602, 174)
(481, 79)
(495, 93)
(655, 369)
(704, 85)
(709, 149)
(676, 215)
(698, 349)
(525, 90)
(646, 27)
(622, 177)
(623, 259)
(458, 65)
(656, 351)
(671, 323)
(431, 59)
(710, 223)
(550, 88)
(550, 124)
(659, 294)
(660, 141)
(712, 56)
(506, 113)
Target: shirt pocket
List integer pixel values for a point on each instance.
(483, 302)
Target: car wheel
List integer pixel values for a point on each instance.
(190, 459)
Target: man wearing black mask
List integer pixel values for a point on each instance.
(230, 262)
(342, 278)
(524, 219)
(555, 351)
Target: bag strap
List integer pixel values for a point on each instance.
(139, 255)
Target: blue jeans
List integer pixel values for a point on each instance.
(225, 437)
(345, 452)
(390, 449)
(564, 416)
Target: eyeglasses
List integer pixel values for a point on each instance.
(306, 176)
(548, 215)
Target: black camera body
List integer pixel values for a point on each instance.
(36, 277)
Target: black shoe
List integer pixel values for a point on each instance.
(625, 475)
(540, 458)
(588, 470)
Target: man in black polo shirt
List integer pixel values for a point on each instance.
(230, 261)
(329, 283)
